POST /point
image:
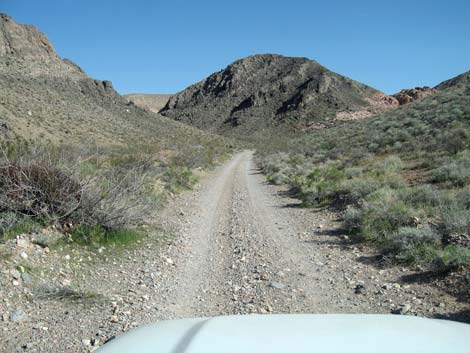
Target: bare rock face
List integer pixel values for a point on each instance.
(409, 95)
(379, 102)
(23, 41)
(26, 51)
(267, 91)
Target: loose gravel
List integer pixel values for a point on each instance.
(234, 245)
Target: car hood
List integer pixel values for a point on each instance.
(296, 333)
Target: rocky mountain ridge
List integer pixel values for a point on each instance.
(268, 90)
(44, 97)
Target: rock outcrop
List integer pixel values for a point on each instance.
(410, 95)
(24, 41)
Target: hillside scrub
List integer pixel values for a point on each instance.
(401, 180)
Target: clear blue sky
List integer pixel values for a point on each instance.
(164, 46)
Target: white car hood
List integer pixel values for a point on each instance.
(296, 333)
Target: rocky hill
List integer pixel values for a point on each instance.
(151, 102)
(264, 91)
(44, 97)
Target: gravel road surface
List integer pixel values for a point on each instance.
(234, 245)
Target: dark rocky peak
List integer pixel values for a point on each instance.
(264, 90)
(462, 79)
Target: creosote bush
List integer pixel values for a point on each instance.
(41, 186)
(39, 189)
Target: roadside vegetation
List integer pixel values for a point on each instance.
(401, 180)
(94, 195)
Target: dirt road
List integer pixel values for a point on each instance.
(245, 254)
(246, 247)
(238, 246)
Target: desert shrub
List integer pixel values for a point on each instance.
(462, 197)
(281, 168)
(407, 238)
(353, 172)
(278, 178)
(317, 187)
(12, 224)
(392, 180)
(48, 185)
(98, 235)
(451, 257)
(179, 177)
(423, 195)
(352, 191)
(89, 167)
(352, 219)
(455, 139)
(381, 214)
(455, 220)
(392, 164)
(117, 200)
(319, 193)
(39, 189)
(454, 171)
(424, 254)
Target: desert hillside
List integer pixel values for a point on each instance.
(45, 97)
(274, 92)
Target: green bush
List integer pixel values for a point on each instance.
(98, 235)
(278, 178)
(392, 164)
(352, 219)
(352, 191)
(382, 214)
(451, 257)
(455, 220)
(316, 187)
(408, 238)
(454, 171)
(462, 198)
(12, 224)
(423, 195)
(179, 177)
(424, 254)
